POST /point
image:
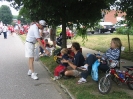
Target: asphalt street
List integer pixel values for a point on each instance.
(14, 81)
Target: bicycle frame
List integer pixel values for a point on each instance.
(104, 85)
(112, 71)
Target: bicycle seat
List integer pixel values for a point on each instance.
(128, 67)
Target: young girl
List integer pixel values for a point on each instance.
(111, 54)
(61, 67)
(48, 47)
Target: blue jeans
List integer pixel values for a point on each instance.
(5, 35)
(90, 61)
(41, 50)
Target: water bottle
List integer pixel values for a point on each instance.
(121, 75)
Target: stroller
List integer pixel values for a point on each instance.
(59, 40)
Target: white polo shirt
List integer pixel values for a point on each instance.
(33, 34)
(4, 28)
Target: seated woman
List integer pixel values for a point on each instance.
(111, 54)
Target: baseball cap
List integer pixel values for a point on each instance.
(42, 22)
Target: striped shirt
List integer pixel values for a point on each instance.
(112, 54)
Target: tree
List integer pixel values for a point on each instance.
(24, 16)
(15, 16)
(5, 14)
(127, 7)
(85, 12)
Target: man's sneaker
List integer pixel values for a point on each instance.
(82, 80)
(34, 76)
(30, 72)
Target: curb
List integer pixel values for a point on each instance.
(61, 85)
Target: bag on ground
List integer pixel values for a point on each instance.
(94, 71)
(36, 55)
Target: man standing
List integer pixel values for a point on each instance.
(32, 37)
(4, 29)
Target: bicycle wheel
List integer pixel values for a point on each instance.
(104, 85)
(130, 82)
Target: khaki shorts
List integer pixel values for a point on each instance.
(76, 73)
(29, 49)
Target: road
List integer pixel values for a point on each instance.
(14, 83)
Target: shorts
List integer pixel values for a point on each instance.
(76, 73)
(49, 49)
(29, 49)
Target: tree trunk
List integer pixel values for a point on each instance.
(64, 40)
(128, 42)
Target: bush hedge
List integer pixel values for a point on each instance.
(124, 30)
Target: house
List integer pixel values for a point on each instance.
(110, 17)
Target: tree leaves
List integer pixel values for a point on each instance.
(5, 14)
(63, 11)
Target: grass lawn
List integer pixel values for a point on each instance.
(102, 43)
(89, 90)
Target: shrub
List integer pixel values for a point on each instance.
(58, 31)
(124, 30)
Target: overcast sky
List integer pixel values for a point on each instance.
(14, 12)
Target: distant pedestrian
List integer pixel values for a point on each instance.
(12, 30)
(5, 29)
(32, 37)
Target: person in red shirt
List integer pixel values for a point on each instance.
(12, 29)
(41, 49)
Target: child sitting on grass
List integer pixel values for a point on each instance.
(47, 45)
(62, 66)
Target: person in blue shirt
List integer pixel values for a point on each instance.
(113, 53)
(78, 61)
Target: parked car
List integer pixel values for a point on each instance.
(105, 27)
(91, 30)
(118, 25)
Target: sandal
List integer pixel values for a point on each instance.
(81, 81)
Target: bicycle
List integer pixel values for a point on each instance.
(115, 74)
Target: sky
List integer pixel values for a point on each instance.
(14, 12)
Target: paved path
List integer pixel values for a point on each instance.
(14, 82)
